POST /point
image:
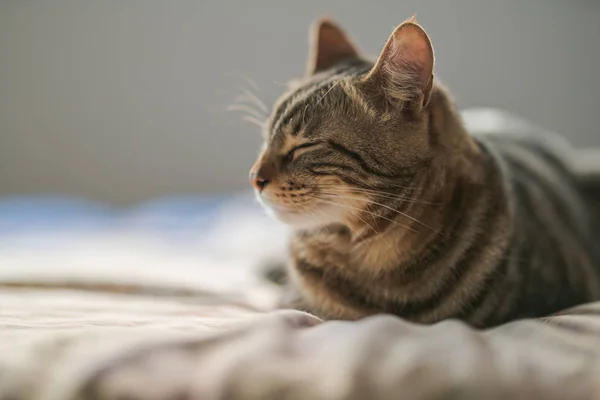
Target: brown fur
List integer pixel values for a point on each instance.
(397, 209)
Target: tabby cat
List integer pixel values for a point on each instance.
(396, 209)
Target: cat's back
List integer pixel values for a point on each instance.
(538, 167)
(544, 186)
(553, 228)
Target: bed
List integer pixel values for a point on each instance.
(168, 300)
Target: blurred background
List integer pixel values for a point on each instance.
(124, 101)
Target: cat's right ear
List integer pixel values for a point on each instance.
(329, 45)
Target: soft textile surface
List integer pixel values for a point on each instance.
(285, 356)
(165, 300)
(290, 355)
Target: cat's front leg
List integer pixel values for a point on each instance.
(291, 298)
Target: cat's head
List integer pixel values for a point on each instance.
(349, 129)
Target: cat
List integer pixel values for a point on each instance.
(396, 209)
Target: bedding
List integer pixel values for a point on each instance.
(167, 300)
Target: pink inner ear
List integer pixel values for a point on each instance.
(411, 49)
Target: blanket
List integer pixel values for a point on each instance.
(167, 300)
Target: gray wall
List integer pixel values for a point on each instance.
(126, 100)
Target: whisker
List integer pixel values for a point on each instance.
(392, 196)
(304, 113)
(247, 95)
(356, 215)
(393, 185)
(243, 101)
(392, 209)
(253, 120)
(327, 92)
(247, 109)
(366, 211)
(383, 194)
(365, 222)
(325, 215)
(354, 212)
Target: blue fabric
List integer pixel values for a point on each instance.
(20, 214)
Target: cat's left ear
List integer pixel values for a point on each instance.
(404, 70)
(329, 45)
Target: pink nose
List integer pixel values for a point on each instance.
(258, 181)
(261, 174)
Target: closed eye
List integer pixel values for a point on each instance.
(289, 157)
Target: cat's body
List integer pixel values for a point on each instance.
(516, 242)
(397, 209)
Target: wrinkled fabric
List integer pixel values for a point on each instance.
(290, 355)
(115, 347)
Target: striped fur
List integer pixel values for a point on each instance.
(397, 209)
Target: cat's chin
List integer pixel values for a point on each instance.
(300, 220)
(303, 219)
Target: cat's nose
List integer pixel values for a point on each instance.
(259, 182)
(261, 174)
